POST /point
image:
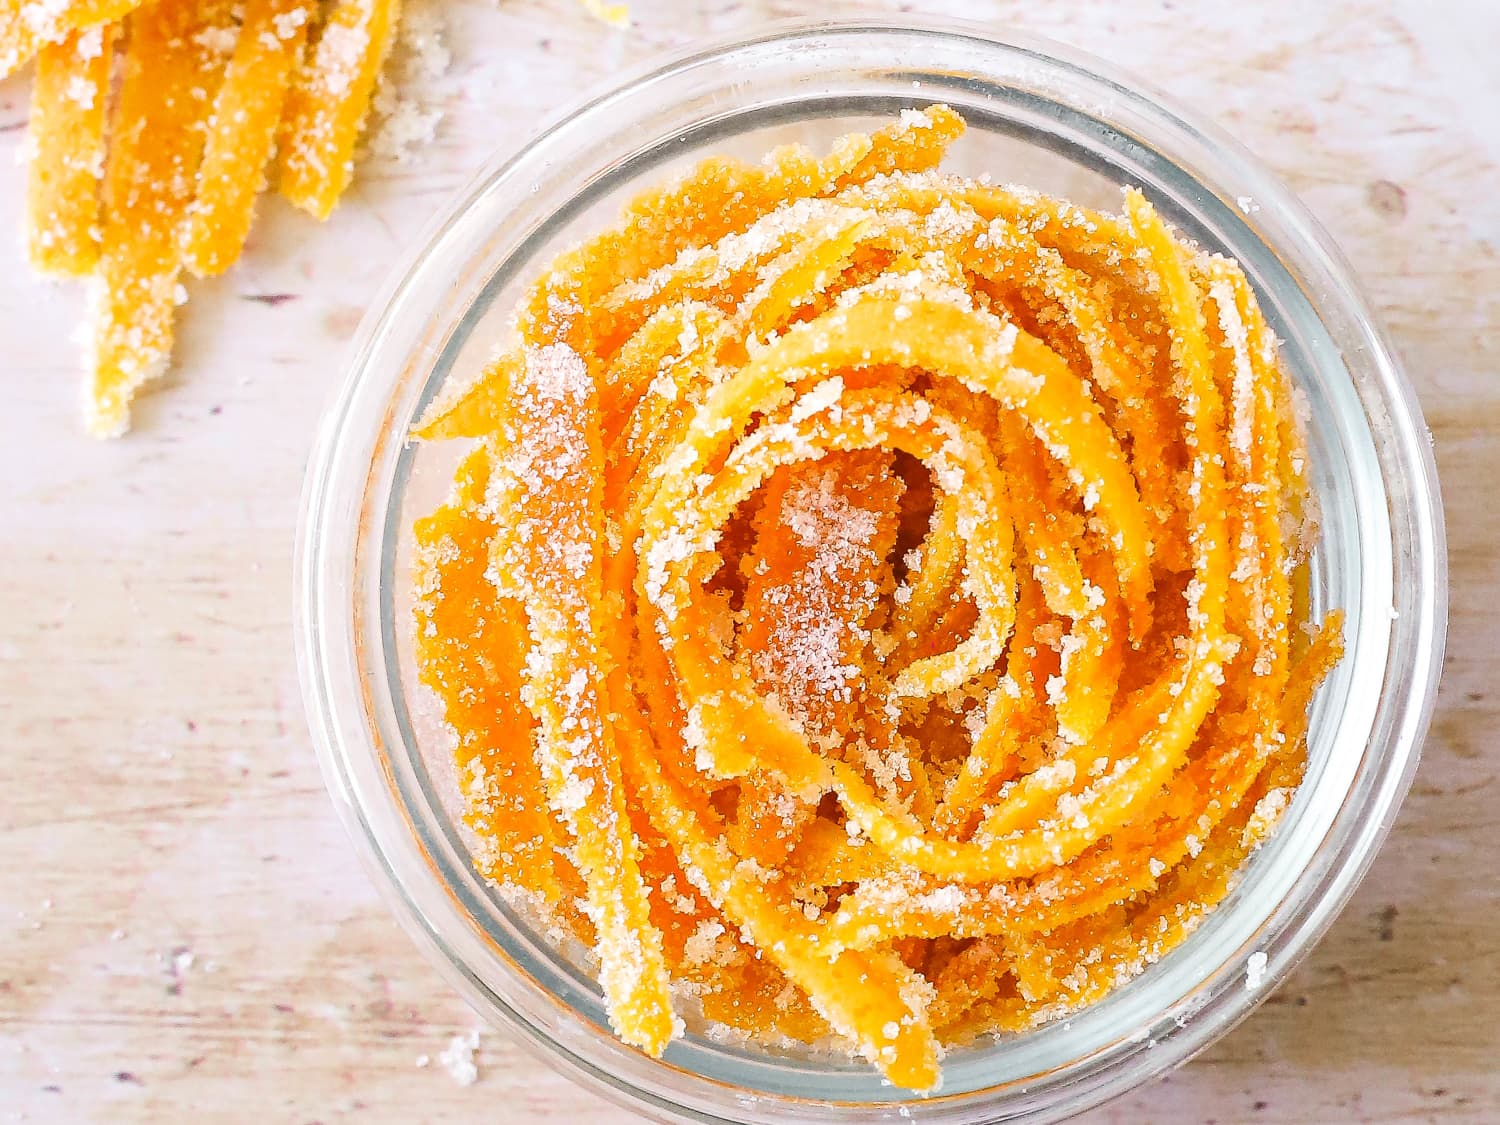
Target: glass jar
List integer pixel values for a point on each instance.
(1038, 115)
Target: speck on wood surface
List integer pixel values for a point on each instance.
(183, 927)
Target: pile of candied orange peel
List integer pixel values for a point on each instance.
(132, 182)
(872, 606)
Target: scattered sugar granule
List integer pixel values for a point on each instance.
(700, 948)
(458, 1058)
(942, 902)
(90, 44)
(218, 40)
(1255, 971)
(80, 90)
(1265, 815)
(1242, 401)
(406, 109)
(287, 23)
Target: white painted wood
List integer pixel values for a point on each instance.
(158, 796)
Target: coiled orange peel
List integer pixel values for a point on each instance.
(870, 607)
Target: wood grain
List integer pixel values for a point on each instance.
(184, 930)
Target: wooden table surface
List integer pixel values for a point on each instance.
(184, 930)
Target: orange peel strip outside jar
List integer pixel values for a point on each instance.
(876, 589)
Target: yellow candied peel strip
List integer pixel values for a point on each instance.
(550, 556)
(157, 133)
(28, 26)
(326, 106)
(241, 135)
(69, 105)
(945, 534)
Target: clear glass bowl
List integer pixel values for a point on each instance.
(1038, 115)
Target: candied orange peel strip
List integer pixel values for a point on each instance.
(328, 101)
(894, 615)
(69, 105)
(160, 116)
(551, 557)
(27, 27)
(461, 621)
(242, 132)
